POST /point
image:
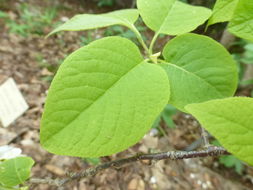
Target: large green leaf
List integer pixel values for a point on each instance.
(223, 11)
(172, 17)
(15, 171)
(230, 120)
(103, 99)
(199, 69)
(155, 12)
(241, 24)
(91, 21)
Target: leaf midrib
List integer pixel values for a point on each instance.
(15, 166)
(159, 30)
(193, 74)
(117, 19)
(99, 97)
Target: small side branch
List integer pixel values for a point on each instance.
(205, 137)
(173, 155)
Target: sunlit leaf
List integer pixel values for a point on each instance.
(172, 17)
(91, 21)
(199, 69)
(223, 11)
(15, 171)
(230, 120)
(241, 24)
(103, 99)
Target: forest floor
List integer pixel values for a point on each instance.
(32, 61)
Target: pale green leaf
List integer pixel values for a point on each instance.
(223, 11)
(91, 21)
(172, 17)
(230, 120)
(103, 99)
(241, 24)
(199, 69)
(155, 12)
(15, 171)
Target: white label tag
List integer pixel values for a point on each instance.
(12, 103)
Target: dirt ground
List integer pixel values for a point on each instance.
(24, 59)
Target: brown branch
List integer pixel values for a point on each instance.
(227, 39)
(173, 155)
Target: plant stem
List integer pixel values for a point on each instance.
(139, 37)
(162, 131)
(150, 51)
(205, 137)
(173, 155)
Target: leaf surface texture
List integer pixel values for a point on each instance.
(241, 24)
(230, 120)
(15, 171)
(172, 17)
(91, 21)
(199, 69)
(103, 99)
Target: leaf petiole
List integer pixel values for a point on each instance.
(150, 51)
(139, 37)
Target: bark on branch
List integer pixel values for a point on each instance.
(173, 155)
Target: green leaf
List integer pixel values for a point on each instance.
(91, 21)
(103, 99)
(248, 54)
(231, 161)
(14, 188)
(10, 188)
(199, 69)
(172, 17)
(156, 123)
(223, 11)
(246, 82)
(15, 171)
(241, 24)
(167, 115)
(155, 12)
(93, 161)
(4, 15)
(230, 120)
